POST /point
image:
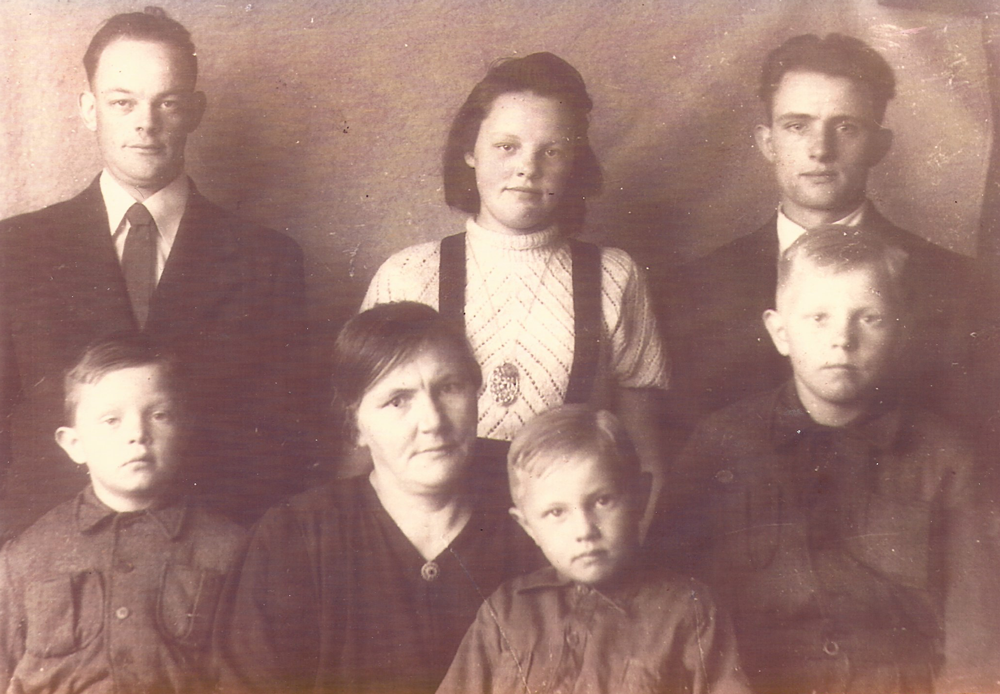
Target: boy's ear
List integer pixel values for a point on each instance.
(775, 324)
(69, 441)
(516, 514)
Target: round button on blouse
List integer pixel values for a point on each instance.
(831, 648)
(429, 571)
(122, 613)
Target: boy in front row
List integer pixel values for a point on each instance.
(835, 522)
(116, 590)
(593, 621)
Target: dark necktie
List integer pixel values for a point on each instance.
(139, 260)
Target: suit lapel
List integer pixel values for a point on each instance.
(201, 271)
(91, 262)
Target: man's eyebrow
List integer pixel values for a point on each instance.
(794, 116)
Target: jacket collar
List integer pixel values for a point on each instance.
(92, 514)
(619, 593)
(880, 428)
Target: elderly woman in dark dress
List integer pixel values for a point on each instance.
(368, 584)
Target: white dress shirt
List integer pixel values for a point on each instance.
(165, 205)
(789, 231)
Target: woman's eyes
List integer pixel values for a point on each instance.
(453, 387)
(397, 401)
(550, 152)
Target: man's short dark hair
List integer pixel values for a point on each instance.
(151, 25)
(836, 55)
(543, 74)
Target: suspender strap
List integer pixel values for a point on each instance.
(586, 306)
(451, 282)
(586, 320)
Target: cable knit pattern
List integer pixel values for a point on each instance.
(519, 309)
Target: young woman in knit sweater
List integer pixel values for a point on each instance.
(550, 319)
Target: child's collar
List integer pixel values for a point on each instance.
(618, 592)
(880, 426)
(90, 514)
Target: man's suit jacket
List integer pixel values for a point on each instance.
(722, 353)
(230, 305)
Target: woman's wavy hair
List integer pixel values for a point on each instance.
(543, 74)
(376, 341)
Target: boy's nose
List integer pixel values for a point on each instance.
(586, 527)
(138, 431)
(844, 334)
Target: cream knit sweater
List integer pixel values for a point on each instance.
(519, 309)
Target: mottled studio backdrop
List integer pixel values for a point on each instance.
(326, 119)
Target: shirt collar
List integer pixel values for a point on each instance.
(618, 594)
(91, 513)
(165, 205)
(879, 428)
(789, 231)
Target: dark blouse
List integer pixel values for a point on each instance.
(334, 598)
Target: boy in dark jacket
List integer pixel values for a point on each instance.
(116, 590)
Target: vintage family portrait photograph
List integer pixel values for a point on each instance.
(500, 346)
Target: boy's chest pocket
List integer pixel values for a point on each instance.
(188, 598)
(894, 537)
(64, 614)
(747, 517)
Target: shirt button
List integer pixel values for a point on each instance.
(831, 648)
(122, 613)
(572, 639)
(429, 571)
(124, 566)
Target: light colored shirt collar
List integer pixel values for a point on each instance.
(789, 231)
(165, 205)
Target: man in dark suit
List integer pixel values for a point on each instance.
(825, 100)
(141, 249)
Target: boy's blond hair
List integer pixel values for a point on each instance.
(565, 432)
(841, 249)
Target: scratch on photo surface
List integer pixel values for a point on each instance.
(496, 620)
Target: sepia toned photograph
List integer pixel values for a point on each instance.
(455, 346)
